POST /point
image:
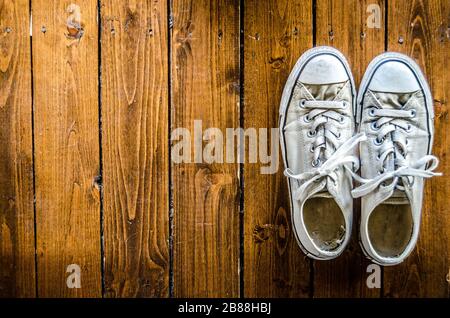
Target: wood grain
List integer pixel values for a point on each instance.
(420, 29)
(135, 147)
(149, 80)
(17, 249)
(205, 77)
(65, 78)
(349, 33)
(276, 33)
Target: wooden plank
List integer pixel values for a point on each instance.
(420, 30)
(135, 147)
(17, 255)
(65, 78)
(344, 25)
(276, 33)
(360, 43)
(205, 75)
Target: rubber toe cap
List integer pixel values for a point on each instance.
(323, 69)
(394, 77)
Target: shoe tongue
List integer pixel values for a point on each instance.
(393, 100)
(324, 91)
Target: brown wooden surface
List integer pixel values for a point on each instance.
(135, 148)
(420, 29)
(205, 79)
(65, 82)
(346, 276)
(275, 35)
(17, 265)
(96, 95)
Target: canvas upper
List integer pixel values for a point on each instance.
(396, 114)
(317, 130)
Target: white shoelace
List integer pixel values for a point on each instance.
(321, 112)
(394, 122)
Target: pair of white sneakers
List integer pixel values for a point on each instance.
(329, 132)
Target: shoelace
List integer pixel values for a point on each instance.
(339, 158)
(415, 170)
(321, 113)
(394, 122)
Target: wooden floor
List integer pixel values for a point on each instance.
(87, 104)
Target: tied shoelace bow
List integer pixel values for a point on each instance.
(393, 123)
(339, 158)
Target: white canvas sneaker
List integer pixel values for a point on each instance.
(317, 129)
(395, 111)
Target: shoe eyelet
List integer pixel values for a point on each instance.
(339, 135)
(312, 148)
(413, 113)
(378, 142)
(372, 112)
(311, 133)
(315, 163)
(374, 126)
(378, 157)
(341, 119)
(302, 102)
(409, 128)
(306, 119)
(381, 171)
(345, 104)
